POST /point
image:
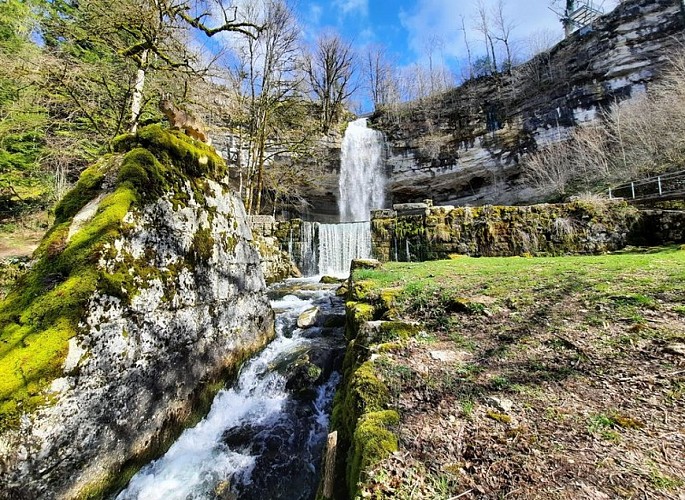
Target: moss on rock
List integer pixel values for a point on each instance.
(372, 442)
(44, 309)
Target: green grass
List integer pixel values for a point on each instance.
(622, 283)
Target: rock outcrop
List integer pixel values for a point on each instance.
(126, 326)
(276, 263)
(464, 146)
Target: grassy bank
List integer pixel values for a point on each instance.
(534, 377)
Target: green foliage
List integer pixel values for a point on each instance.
(23, 184)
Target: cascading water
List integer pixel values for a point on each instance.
(340, 243)
(329, 248)
(262, 438)
(362, 172)
(308, 261)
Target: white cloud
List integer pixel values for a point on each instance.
(348, 7)
(442, 19)
(314, 14)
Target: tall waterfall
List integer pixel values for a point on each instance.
(362, 172)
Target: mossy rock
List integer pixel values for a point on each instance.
(372, 442)
(331, 280)
(46, 306)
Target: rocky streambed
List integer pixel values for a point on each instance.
(264, 436)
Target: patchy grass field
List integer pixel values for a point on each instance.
(541, 378)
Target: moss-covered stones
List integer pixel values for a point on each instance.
(578, 227)
(362, 412)
(117, 329)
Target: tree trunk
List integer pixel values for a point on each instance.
(137, 100)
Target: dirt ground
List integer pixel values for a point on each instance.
(541, 391)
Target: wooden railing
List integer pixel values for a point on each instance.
(665, 187)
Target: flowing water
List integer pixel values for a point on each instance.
(328, 249)
(340, 243)
(362, 172)
(264, 436)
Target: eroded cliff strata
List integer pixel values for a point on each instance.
(464, 146)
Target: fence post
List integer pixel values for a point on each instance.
(659, 181)
(632, 188)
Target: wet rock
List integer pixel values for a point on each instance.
(331, 280)
(365, 264)
(333, 320)
(308, 318)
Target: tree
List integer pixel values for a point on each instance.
(23, 117)
(379, 75)
(503, 28)
(330, 69)
(152, 35)
(269, 70)
(483, 25)
(467, 45)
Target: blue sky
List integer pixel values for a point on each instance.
(406, 26)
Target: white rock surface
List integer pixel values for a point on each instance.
(134, 374)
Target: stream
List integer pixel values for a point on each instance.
(264, 436)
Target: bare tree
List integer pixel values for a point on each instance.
(154, 34)
(483, 25)
(380, 77)
(272, 81)
(503, 28)
(330, 69)
(468, 47)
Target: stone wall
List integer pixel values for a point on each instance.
(419, 231)
(275, 261)
(464, 146)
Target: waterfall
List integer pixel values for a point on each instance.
(308, 261)
(340, 243)
(329, 248)
(362, 172)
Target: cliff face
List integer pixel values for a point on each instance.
(464, 146)
(145, 295)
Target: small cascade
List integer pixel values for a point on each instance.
(329, 248)
(308, 261)
(362, 172)
(339, 244)
(264, 436)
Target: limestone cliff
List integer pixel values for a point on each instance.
(144, 296)
(464, 146)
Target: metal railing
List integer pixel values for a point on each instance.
(666, 186)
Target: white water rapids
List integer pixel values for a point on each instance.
(227, 453)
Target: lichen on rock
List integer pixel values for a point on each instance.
(121, 332)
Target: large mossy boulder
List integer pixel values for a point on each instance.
(144, 297)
